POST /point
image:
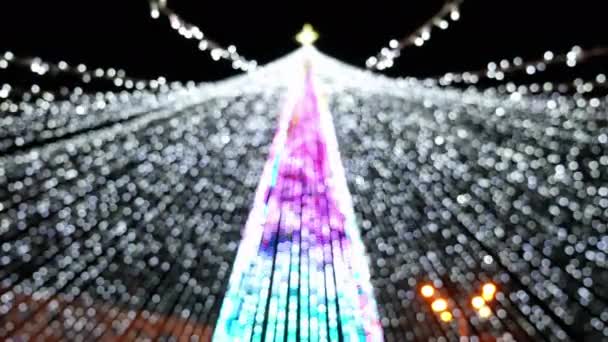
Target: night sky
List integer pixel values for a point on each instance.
(120, 33)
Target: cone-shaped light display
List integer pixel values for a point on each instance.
(301, 273)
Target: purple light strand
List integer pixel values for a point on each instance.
(301, 271)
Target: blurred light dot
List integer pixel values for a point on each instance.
(485, 312)
(439, 305)
(427, 291)
(446, 316)
(478, 302)
(488, 291)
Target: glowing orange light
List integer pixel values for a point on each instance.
(427, 291)
(439, 305)
(488, 291)
(446, 316)
(485, 312)
(478, 302)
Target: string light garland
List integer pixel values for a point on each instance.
(579, 87)
(502, 199)
(87, 74)
(35, 116)
(132, 231)
(26, 125)
(449, 12)
(191, 31)
(500, 70)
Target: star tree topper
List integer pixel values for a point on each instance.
(307, 36)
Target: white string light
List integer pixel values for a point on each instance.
(41, 68)
(577, 86)
(385, 59)
(32, 115)
(499, 70)
(34, 99)
(191, 31)
(40, 117)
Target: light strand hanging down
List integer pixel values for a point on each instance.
(28, 123)
(385, 58)
(301, 271)
(32, 114)
(499, 70)
(39, 110)
(191, 31)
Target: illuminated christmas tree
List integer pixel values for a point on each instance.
(301, 271)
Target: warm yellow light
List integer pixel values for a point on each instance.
(478, 302)
(427, 291)
(488, 291)
(446, 316)
(439, 305)
(485, 312)
(307, 36)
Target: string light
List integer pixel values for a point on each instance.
(498, 71)
(41, 68)
(69, 111)
(58, 106)
(131, 231)
(578, 86)
(191, 31)
(385, 59)
(299, 213)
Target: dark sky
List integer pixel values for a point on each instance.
(120, 33)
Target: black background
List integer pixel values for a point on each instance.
(120, 33)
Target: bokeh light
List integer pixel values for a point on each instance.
(439, 305)
(446, 316)
(485, 312)
(478, 302)
(427, 291)
(488, 291)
